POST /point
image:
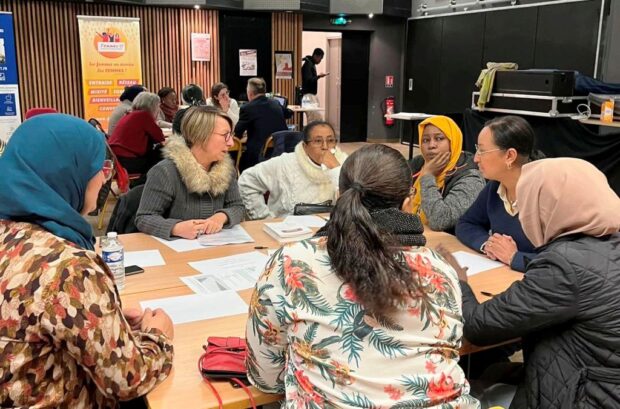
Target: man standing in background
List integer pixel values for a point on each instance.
(309, 82)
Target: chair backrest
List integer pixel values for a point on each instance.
(237, 147)
(285, 141)
(123, 219)
(97, 125)
(266, 147)
(38, 111)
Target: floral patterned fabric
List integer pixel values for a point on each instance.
(309, 336)
(64, 342)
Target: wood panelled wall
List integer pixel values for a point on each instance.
(286, 35)
(48, 49)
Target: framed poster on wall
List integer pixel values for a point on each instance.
(283, 65)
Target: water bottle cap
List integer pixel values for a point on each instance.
(112, 235)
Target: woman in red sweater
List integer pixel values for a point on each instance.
(137, 138)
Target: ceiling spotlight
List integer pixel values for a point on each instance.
(197, 6)
(371, 15)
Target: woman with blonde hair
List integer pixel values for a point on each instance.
(447, 180)
(194, 190)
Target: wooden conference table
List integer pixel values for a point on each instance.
(185, 388)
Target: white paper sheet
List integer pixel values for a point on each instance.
(180, 245)
(146, 258)
(235, 235)
(236, 272)
(197, 307)
(475, 264)
(308, 221)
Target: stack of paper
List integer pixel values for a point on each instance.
(236, 272)
(286, 232)
(234, 235)
(308, 221)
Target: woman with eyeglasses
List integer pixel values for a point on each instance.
(194, 190)
(66, 342)
(491, 225)
(447, 181)
(308, 175)
(220, 98)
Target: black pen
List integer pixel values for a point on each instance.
(488, 294)
(260, 248)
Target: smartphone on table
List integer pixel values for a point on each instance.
(131, 270)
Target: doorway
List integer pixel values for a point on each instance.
(328, 89)
(354, 91)
(332, 103)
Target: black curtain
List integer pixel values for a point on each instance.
(557, 137)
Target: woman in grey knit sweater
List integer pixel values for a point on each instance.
(194, 190)
(446, 179)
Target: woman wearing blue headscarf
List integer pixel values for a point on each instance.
(65, 340)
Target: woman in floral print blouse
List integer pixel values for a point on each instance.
(363, 315)
(65, 342)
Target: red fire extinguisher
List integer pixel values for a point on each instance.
(387, 106)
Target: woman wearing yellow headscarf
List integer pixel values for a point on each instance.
(447, 181)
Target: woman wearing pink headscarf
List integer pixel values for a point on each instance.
(567, 307)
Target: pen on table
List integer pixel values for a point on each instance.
(260, 248)
(488, 294)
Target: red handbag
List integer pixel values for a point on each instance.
(224, 359)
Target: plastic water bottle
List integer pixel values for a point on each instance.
(114, 256)
(305, 101)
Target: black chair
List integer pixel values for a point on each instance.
(285, 141)
(123, 219)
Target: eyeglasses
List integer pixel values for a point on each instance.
(480, 152)
(226, 135)
(108, 169)
(320, 142)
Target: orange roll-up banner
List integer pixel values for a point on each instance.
(111, 60)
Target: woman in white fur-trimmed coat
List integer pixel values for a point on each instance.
(308, 175)
(194, 190)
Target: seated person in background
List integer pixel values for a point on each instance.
(260, 118)
(358, 315)
(220, 98)
(446, 179)
(136, 134)
(65, 340)
(192, 96)
(124, 107)
(567, 307)
(168, 107)
(194, 190)
(491, 225)
(308, 175)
